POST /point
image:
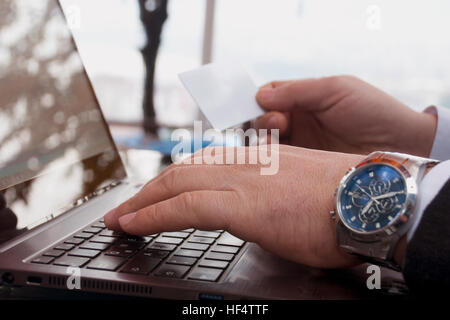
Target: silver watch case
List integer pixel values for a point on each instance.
(400, 224)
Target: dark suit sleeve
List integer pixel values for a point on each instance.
(427, 262)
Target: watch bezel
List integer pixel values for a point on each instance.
(403, 218)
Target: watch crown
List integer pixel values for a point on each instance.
(335, 192)
(333, 214)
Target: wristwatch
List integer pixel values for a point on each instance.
(375, 204)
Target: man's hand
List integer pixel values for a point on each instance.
(344, 114)
(286, 213)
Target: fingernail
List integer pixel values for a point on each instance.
(109, 217)
(265, 94)
(124, 220)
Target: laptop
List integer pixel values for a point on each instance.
(60, 172)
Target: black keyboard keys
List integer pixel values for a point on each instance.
(188, 253)
(195, 246)
(103, 239)
(225, 249)
(205, 274)
(119, 252)
(182, 235)
(185, 261)
(141, 264)
(172, 271)
(213, 264)
(69, 261)
(219, 256)
(92, 230)
(83, 235)
(94, 246)
(229, 240)
(42, 260)
(73, 241)
(65, 246)
(54, 253)
(159, 254)
(84, 253)
(108, 263)
(208, 234)
(162, 246)
(203, 240)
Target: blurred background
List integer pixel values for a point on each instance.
(400, 46)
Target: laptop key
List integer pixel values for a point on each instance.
(54, 253)
(195, 246)
(132, 238)
(208, 234)
(108, 263)
(201, 240)
(73, 241)
(162, 246)
(94, 246)
(119, 252)
(169, 240)
(182, 235)
(188, 253)
(205, 274)
(230, 240)
(213, 264)
(92, 230)
(141, 265)
(172, 271)
(68, 261)
(99, 225)
(83, 235)
(43, 260)
(84, 253)
(100, 239)
(185, 261)
(219, 256)
(65, 246)
(111, 233)
(225, 249)
(129, 245)
(159, 254)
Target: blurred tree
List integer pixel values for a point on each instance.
(153, 14)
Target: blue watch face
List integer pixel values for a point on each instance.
(372, 198)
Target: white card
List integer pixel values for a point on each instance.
(224, 93)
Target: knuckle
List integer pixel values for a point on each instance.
(336, 83)
(169, 180)
(187, 200)
(152, 215)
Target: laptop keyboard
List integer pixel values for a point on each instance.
(188, 254)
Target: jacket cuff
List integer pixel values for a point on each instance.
(427, 258)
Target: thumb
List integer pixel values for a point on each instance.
(308, 94)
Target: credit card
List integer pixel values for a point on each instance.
(224, 92)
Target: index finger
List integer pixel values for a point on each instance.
(205, 210)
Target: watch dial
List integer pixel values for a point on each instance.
(373, 197)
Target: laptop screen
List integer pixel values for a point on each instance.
(55, 147)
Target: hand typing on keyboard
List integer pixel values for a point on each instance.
(285, 213)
